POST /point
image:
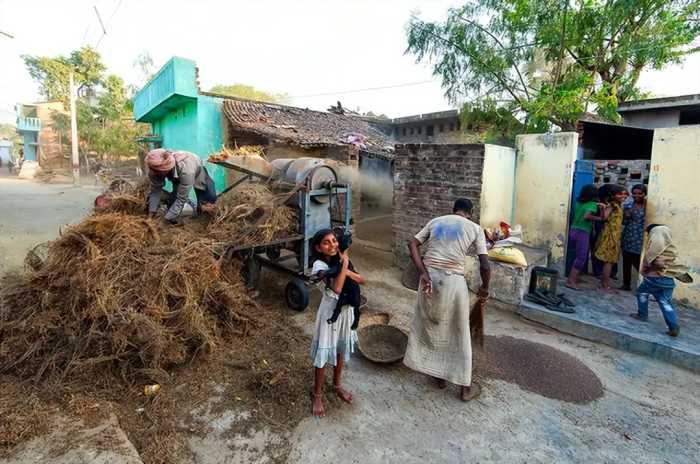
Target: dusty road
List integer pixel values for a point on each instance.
(649, 413)
(32, 212)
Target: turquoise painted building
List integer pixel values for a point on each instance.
(28, 127)
(180, 116)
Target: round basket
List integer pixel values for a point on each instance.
(381, 343)
(411, 278)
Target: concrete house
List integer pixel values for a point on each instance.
(439, 127)
(661, 112)
(5, 151)
(185, 118)
(40, 141)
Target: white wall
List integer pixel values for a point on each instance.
(498, 185)
(543, 181)
(675, 172)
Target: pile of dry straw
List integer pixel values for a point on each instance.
(131, 296)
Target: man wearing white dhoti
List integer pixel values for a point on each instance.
(440, 342)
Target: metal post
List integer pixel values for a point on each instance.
(74, 133)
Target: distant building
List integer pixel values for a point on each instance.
(443, 127)
(5, 151)
(655, 113)
(40, 142)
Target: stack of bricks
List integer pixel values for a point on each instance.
(626, 173)
(427, 181)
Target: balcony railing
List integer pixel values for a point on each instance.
(29, 124)
(175, 82)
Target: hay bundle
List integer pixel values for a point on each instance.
(246, 150)
(123, 293)
(252, 214)
(115, 292)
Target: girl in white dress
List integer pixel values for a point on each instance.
(332, 343)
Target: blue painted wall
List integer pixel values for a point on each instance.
(183, 118)
(210, 134)
(30, 140)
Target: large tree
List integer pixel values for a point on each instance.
(51, 73)
(249, 92)
(542, 63)
(105, 123)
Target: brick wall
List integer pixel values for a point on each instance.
(427, 181)
(50, 154)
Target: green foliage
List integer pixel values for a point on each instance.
(249, 92)
(547, 62)
(146, 70)
(105, 126)
(9, 132)
(51, 73)
(112, 103)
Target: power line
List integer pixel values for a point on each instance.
(99, 18)
(82, 42)
(362, 90)
(109, 22)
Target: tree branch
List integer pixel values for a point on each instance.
(498, 77)
(497, 40)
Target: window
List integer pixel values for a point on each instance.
(442, 128)
(688, 117)
(452, 127)
(420, 130)
(412, 130)
(429, 131)
(396, 130)
(404, 131)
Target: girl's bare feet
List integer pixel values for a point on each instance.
(471, 392)
(441, 383)
(318, 409)
(343, 394)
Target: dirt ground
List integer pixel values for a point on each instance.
(649, 411)
(33, 212)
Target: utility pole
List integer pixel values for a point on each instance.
(74, 133)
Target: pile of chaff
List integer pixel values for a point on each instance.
(122, 293)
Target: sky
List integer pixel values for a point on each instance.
(297, 47)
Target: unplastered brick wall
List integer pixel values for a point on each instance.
(427, 181)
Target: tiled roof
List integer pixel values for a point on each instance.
(303, 127)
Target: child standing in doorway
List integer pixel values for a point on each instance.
(608, 245)
(332, 343)
(580, 233)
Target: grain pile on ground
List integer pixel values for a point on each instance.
(119, 300)
(537, 368)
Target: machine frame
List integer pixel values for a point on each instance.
(296, 261)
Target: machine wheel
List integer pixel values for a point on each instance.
(250, 272)
(273, 253)
(296, 295)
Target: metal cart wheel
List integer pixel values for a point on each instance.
(273, 253)
(250, 272)
(296, 295)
